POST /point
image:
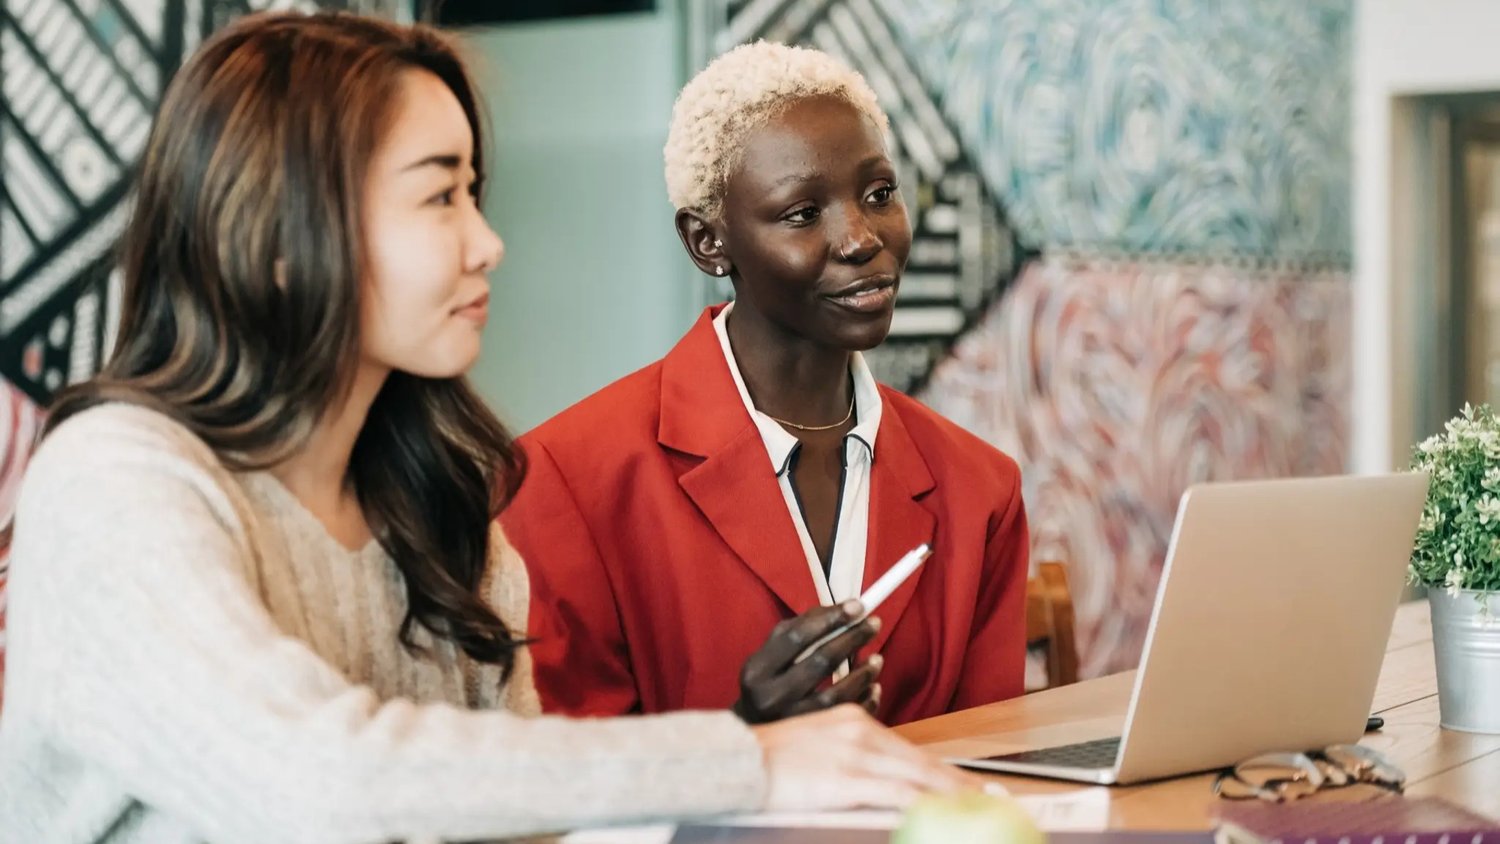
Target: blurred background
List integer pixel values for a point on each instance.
(1157, 241)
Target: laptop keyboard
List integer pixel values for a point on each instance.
(1085, 754)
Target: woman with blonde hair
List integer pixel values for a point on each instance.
(255, 590)
(757, 479)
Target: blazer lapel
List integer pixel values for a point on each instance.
(740, 496)
(734, 487)
(899, 522)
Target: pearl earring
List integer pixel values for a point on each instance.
(718, 270)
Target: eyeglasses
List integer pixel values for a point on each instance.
(1280, 777)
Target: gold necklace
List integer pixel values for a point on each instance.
(819, 427)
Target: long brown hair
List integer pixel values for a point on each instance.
(242, 273)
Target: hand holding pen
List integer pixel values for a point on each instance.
(782, 678)
(778, 681)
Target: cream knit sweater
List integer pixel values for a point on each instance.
(193, 658)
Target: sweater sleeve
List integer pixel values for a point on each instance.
(129, 572)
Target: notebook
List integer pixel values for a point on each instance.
(1397, 820)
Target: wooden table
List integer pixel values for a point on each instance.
(1461, 767)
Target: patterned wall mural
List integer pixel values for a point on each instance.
(1130, 270)
(1116, 384)
(1166, 127)
(1175, 176)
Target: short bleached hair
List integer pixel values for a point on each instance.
(737, 93)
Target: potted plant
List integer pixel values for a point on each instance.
(1457, 557)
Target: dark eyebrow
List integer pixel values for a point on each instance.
(446, 161)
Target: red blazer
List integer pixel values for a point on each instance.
(661, 552)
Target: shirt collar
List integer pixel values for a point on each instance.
(780, 444)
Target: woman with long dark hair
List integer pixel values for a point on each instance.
(255, 592)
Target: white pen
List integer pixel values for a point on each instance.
(875, 595)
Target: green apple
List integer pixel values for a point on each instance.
(969, 818)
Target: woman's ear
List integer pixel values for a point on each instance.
(278, 274)
(703, 243)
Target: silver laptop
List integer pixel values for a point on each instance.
(1270, 627)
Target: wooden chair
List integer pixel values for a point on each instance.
(1049, 622)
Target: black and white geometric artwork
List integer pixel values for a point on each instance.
(963, 251)
(79, 82)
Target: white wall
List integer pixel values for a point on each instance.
(1402, 48)
(594, 284)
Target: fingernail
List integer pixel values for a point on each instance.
(995, 789)
(852, 608)
(877, 662)
(874, 623)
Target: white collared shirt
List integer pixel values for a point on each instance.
(846, 574)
